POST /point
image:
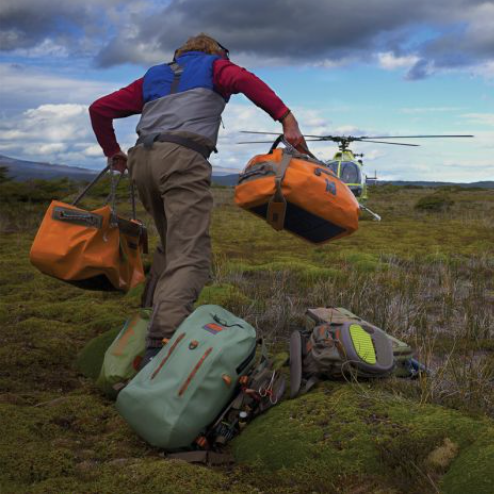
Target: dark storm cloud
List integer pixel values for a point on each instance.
(292, 31)
(420, 70)
(441, 34)
(26, 23)
(280, 29)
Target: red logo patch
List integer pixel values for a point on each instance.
(213, 328)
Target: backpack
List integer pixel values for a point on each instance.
(171, 402)
(260, 389)
(295, 192)
(343, 345)
(123, 357)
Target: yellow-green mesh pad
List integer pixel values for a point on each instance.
(363, 344)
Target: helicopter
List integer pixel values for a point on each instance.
(346, 164)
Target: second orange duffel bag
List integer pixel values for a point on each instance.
(297, 193)
(95, 250)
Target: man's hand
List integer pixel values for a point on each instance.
(118, 161)
(292, 132)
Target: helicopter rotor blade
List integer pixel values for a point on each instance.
(393, 143)
(255, 142)
(415, 137)
(259, 132)
(318, 137)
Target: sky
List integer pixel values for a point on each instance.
(353, 67)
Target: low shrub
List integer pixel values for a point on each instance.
(434, 203)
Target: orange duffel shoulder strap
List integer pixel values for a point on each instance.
(277, 204)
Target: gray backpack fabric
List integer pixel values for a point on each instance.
(342, 345)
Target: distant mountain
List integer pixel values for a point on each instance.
(420, 183)
(21, 170)
(225, 179)
(233, 179)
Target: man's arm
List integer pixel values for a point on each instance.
(121, 103)
(232, 79)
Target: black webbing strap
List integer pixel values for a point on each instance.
(149, 139)
(204, 457)
(90, 185)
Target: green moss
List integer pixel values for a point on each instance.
(128, 476)
(226, 295)
(90, 359)
(303, 270)
(426, 278)
(468, 473)
(364, 262)
(356, 433)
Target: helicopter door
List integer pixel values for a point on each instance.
(334, 167)
(351, 175)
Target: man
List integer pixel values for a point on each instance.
(180, 105)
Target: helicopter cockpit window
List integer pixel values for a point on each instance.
(333, 166)
(350, 173)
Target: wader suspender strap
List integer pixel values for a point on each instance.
(177, 74)
(277, 204)
(149, 139)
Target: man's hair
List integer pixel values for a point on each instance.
(201, 42)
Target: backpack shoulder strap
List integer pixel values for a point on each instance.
(296, 349)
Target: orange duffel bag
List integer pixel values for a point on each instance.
(95, 250)
(298, 193)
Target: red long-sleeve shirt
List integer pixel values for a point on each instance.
(228, 79)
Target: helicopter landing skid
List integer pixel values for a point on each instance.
(367, 210)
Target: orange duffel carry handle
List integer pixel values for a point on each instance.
(296, 192)
(95, 250)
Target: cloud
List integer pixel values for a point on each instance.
(24, 24)
(480, 118)
(25, 87)
(420, 37)
(431, 109)
(420, 70)
(53, 133)
(389, 61)
(61, 133)
(315, 31)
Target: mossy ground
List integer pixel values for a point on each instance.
(426, 278)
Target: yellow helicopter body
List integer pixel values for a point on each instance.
(348, 169)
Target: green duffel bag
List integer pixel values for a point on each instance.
(172, 401)
(123, 356)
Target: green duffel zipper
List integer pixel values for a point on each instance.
(186, 383)
(168, 355)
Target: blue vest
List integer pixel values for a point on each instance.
(194, 106)
(197, 73)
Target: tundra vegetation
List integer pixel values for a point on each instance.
(425, 275)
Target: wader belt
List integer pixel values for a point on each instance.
(149, 139)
